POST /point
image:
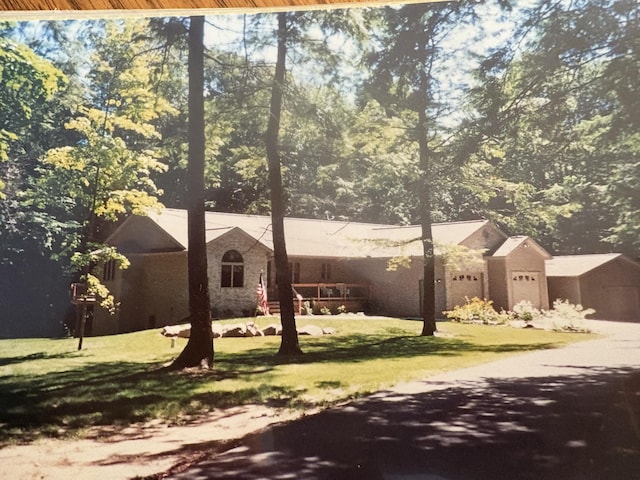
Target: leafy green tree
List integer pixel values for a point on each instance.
(556, 126)
(405, 77)
(27, 82)
(29, 87)
(106, 170)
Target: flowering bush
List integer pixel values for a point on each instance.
(476, 310)
(567, 317)
(525, 311)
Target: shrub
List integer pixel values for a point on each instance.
(567, 317)
(325, 311)
(525, 311)
(342, 309)
(476, 310)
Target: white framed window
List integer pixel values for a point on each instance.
(232, 273)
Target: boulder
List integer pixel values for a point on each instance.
(216, 330)
(253, 330)
(238, 330)
(312, 330)
(272, 329)
(181, 331)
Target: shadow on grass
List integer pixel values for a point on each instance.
(4, 361)
(124, 393)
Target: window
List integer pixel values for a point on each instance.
(294, 269)
(109, 271)
(462, 278)
(232, 274)
(325, 271)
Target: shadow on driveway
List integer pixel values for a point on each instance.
(557, 427)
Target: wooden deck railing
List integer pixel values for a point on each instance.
(352, 296)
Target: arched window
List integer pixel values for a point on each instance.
(232, 269)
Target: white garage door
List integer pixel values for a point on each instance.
(463, 286)
(526, 287)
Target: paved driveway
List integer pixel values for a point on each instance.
(570, 413)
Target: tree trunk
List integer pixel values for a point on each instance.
(428, 284)
(199, 348)
(289, 344)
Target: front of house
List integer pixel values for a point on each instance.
(332, 264)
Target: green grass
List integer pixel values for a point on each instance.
(48, 388)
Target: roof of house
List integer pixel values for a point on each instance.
(321, 238)
(576, 265)
(512, 243)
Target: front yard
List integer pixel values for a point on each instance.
(49, 389)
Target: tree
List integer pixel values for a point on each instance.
(289, 344)
(105, 170)
(199, 348)
(555, 126)
(405, 77)
(29, 87)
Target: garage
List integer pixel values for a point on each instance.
(608, 283)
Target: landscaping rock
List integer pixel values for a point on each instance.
(312, 330)
(272, 329)
(182, 331)
(234, 331)
(216, 330)
(253, 330)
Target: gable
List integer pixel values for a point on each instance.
(237, 239)
(139, 234)
(513, 244)
(487, 237)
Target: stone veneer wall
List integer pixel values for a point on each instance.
(235, 301)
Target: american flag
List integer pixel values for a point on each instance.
(262, 296)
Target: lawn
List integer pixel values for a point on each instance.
(48, 388)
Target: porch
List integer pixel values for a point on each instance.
(318, 297)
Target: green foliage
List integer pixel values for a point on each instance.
(27, 83)
(94, 261)
(476, 310)
(459, 257)
(555, 129)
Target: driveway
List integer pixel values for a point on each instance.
(570, 413)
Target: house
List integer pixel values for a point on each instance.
(608, 283)
(332, 264)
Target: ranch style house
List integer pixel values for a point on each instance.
(357, 267)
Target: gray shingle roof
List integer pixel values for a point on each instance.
(322, 238)
(576, 265)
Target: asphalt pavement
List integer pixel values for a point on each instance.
(568, 414)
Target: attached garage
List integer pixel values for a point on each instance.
(608, 283)
(517, 274)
